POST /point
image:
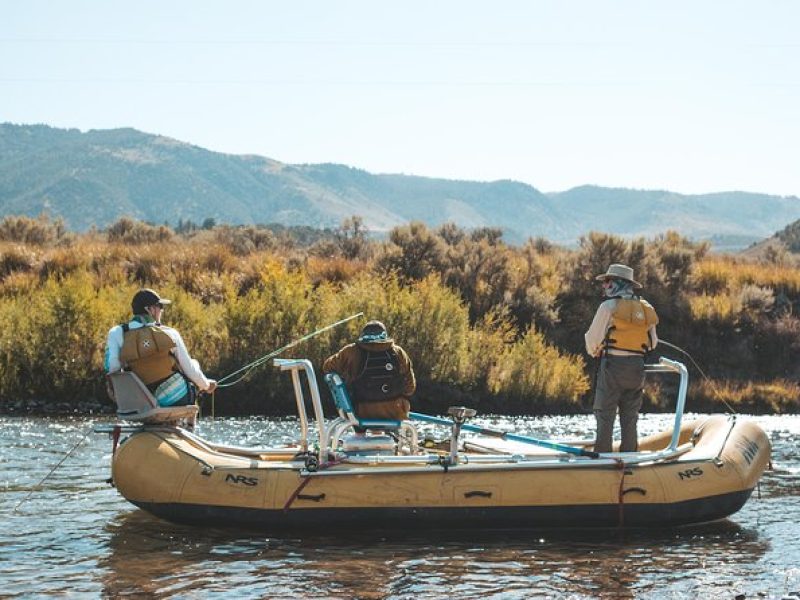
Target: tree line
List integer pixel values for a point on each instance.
(488, 324)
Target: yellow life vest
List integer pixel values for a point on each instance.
(631, 320)
(146, 352)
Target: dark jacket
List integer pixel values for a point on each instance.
(348, 363)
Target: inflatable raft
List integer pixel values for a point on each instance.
(695, 472)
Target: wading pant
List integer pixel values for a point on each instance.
(619, 386)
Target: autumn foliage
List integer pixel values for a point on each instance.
(488, 324)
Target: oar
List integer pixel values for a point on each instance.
(507, 436)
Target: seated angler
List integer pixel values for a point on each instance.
(155, 353)
(378, 373)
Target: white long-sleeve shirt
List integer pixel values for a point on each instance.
(188, 365)
(596, 336)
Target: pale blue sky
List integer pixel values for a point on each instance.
(692, 96)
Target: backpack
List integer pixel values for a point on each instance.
(379, 378)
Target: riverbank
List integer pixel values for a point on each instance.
(429, 404)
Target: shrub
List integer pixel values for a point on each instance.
(414, 253)
(26, 230)
(55, 348)
(779, 396)
(61, 263)
(332, 270)
(722, 308)
(16, 259)
(532, 370)
(245, 240)
(129, 231)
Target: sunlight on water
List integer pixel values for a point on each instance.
(77, 536)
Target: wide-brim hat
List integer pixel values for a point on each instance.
(374, 331)
(618, 271)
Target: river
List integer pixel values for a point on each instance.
(76, 536)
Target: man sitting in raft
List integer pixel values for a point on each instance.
(622, 331)
(378, 373)
(155, 353)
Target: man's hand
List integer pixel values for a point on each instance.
(212, 386)
(110, 390)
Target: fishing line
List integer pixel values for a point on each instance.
(245, 370)
(38, 486)
(706, 377)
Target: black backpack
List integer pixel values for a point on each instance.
(379, 378)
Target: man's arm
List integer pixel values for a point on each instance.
(114, 342)
(341, 363)
(189, 366)
(596, 335)
(408, 373)
(653, 337)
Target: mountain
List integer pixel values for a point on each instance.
(95, 177)
(783, 245)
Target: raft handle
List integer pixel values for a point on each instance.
(478, 493)
(638, 490)
(317, 498)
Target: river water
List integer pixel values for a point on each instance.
(76, 536)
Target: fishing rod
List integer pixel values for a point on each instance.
(38, 486)
(696, 366)
(507, 436)
(245, 370)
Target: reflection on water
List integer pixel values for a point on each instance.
(149, 556)
(77, 536)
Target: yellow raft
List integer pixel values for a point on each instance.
(695, 472)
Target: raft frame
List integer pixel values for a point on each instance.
(328, 435)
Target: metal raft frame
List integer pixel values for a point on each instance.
(665, 365)
(328, 438)
(328, 435)
(296, 365)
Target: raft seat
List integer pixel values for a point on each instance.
(345, 406)
(136, 403)
(348, 418)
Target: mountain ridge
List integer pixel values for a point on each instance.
(92, 178)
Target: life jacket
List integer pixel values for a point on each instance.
(146, 352)
(379, 378)
(631, 320)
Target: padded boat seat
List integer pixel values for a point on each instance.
(136, 403)
(345, 406)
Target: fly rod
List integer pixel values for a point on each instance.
(706, 377)
(245, 370)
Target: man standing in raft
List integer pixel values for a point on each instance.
(155, 353)
(378, 373)
(622, 331)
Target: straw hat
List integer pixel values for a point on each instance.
(618, 271)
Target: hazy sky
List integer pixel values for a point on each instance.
(692, 96)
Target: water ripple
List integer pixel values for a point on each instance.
(76, 537)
